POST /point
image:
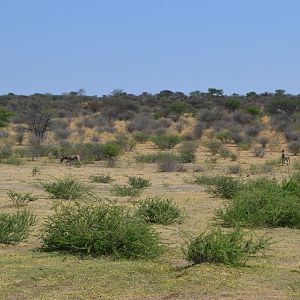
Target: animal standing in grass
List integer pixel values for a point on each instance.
(71, 158)
(285, 158)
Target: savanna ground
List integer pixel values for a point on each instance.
(27, 273)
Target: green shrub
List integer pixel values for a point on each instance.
(264, 202)
(232, 104)
(225, 187)
(15, 227)
(101, 178)
(125, 142)
(222, 186)
(124, 190)
(159, 210)
(214, 146)
(66, 188)
(19, 199)
(253, 110)
(233, 156)
(111, 150)
(141, 137)
(13, 160)
(224, 136)
(138, 182)
(107, 230)
(203, 179)
(187, 152)
(166, 141)
(5, 152)
(245, 144)
(230, 248)
(225, 152)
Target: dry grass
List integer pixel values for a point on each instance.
(27, 274)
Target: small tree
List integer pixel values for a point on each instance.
(38, 120)
(215, 92)
(5, 116)
(251, 94)
(279, 92)
(232, 104)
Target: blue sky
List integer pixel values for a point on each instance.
(59, 46)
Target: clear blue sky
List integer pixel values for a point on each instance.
(59, 46)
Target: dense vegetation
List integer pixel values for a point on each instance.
(235, 118)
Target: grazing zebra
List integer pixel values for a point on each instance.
(285, 158)
(70, 158)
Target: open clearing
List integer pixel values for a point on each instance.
(27, 273)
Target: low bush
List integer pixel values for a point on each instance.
(224, 136)
(138, 182)
(19, 199)
(168, 163)
(66, 188)
(254, 110)
(5, 152)
(155, 157)
(245, 144)
(160, 211)
(187, 152)
(253, 131)
(263, 140)
(264, 202)
(294, 147)
(225, 153)
(230, 248)
(15, 227)
(166, 141)
(296, 165)
(259, 152)
(141, 137)
(101, 178)
(12, 160)
(236, 169)
(222, 186)
(214, 146)
(111, 150)
(100, 230)
(124, 190)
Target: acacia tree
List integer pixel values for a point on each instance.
(38, 120)
(232, 104)
(279, 92)
(215, 92)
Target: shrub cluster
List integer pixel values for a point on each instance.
(187, 152)
(101, 178)
(231, 248)
(134, 187)
(19, 199)
(66, 188)
(159, 210)
(222, 186)
(15, 227)
(166, 141)
(264, 202)
(107, 230)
